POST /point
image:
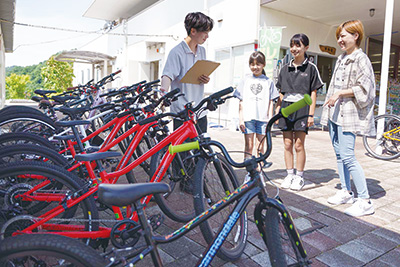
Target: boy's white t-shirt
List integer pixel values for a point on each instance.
(255, 94)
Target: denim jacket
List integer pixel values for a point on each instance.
(357, 112)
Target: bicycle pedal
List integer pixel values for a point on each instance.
(156, 220)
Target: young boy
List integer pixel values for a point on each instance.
(181, 58)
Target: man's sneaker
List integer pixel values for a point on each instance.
(297, 183)
(341, 197)
(360, 208)
(287, 182)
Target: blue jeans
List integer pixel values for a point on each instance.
(343, 144)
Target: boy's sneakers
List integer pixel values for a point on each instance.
(287, 182)
(297, 183)
(360, 208)
(341, 197)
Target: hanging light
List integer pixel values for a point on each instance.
(372, 12)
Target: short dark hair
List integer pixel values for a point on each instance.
(198, 21)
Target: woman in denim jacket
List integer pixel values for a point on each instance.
(348, 110)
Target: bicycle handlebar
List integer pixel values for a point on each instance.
(288, 110)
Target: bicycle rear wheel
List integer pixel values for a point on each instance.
(47, 250)
(209, 190)
(28, 152)
(25, 122)
(385, 144)
(18, 178)
(10, 139)
(177, 204)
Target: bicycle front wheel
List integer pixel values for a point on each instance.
(47, 250)
(209, 189)
(385, 144)
(282, 248)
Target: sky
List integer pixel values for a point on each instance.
(34, 45)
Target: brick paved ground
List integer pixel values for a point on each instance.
(331, 237)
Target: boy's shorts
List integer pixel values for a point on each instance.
(255, 126)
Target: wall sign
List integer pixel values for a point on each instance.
(328, 49)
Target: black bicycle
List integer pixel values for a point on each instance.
(273, 220)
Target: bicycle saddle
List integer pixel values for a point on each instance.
(126, 194)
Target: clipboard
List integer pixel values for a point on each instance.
(201, 67)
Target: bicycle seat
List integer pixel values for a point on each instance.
(73, 112)
(63, 99)
(44, 92)
(126, 194)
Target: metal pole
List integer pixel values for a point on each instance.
(387, 37)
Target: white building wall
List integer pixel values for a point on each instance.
(319, 34)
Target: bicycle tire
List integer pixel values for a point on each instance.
(85, 210)
(28, 152)
(20, 109)
(280, 244)
(26, 122)
(48, 248)
(209, 190)
(25, 138)
(177, 204)
(387, 147)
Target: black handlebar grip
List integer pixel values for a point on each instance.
(148, 120)
(172, 93)
(221, 93)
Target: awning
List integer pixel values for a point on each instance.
(89, 57)
(7, 12)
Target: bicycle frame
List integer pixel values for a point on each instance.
(187, 130)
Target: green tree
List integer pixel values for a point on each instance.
(34, 71)
(16, 86)
(57, 75)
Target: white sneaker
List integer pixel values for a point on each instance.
(360, 208)
(297, 183)
(341, 197)
(287, 182)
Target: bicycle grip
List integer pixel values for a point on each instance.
(183, 147)
(221, 93)
(296, 106)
